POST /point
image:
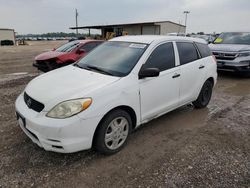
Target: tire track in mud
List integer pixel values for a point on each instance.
(14, 82)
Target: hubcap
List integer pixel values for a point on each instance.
(116, 133)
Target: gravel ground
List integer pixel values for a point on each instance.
(184, 148)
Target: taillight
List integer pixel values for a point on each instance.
(214, 58)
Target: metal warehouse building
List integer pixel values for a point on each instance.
(144, 28)
(7, 34)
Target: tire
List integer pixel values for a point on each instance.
(204, 96)
(113, 132)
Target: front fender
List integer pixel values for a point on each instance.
(113, 97)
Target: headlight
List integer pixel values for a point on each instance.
(69, 108)
(244, 54)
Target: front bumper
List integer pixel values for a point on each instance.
(46, 66)
(242, 67)
(59, 135)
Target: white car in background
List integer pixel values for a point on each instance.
(232, 51)
(177, 34)
(120, 85)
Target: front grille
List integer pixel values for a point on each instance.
(225, 56)
(32, 103)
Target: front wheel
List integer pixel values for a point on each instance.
(204, 96)
(113, 132)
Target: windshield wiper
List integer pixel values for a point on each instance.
(99, 69)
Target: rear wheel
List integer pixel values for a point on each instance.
(113, 132)
(204, 96)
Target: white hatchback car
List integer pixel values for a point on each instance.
(120, 85)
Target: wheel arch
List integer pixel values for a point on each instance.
(211, 79)
(128, 109)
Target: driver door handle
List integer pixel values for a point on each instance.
(201, 67)
(176, 75)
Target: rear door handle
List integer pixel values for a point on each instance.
(176, 75)
(201, 67)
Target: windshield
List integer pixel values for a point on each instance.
(233, 38)
(113, 58)
(68, 47)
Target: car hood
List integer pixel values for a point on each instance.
(66, 83)
(229, 47)
(49, 55)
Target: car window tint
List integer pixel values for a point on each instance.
(162, 57)
(89, 46)
(203, 49)
(187, 52)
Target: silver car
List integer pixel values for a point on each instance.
(232, 51)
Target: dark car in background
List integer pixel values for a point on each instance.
(65, 54)
(232, 51)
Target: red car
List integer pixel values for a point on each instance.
(65, 54)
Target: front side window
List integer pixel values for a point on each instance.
(187, 52)
(162, 57)
(113, 58)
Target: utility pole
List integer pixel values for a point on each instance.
(76, 22)
(186, 14)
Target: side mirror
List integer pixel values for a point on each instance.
(54, 49)
(81, 51)
(149, 72)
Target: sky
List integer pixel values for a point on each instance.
(43, 16)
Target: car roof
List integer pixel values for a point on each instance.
(148, 39)
(89, 40)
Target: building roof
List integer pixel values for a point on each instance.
(148, 39)
(124, 24)
(6, 29)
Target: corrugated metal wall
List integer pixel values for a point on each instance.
(168, 27)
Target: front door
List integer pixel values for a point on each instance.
(160, 94)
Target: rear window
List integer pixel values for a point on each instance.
(187, 52)
(204, 50)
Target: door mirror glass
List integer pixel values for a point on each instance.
(149, 72)
(81, 51)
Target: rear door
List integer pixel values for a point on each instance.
(160, 94)
(192, 70)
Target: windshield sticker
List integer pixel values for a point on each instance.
(141, 46)
(218, 40)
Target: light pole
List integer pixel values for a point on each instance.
(186, 14)
(76, 15)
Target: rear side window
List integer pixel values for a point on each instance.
(187, 52)
(162, 57)
(204, 50)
